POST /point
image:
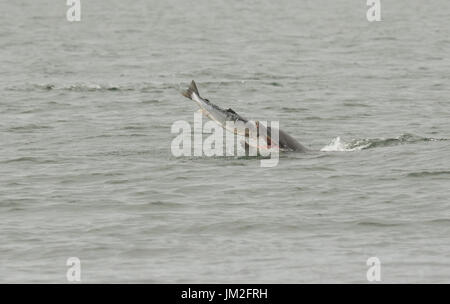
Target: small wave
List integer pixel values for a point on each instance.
(377, 224)
(73, 87)
(445, 221)
(28, 128)
(92, 87)
(89, 87)
(338, 145)
(28, 159)
(288, 109)
(428, 173)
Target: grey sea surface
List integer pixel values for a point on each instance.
(86, 168)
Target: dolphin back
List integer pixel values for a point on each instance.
(287, 141)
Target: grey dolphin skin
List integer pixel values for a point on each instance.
(221, 116)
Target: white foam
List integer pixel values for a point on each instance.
(334, 146)
(338, 145)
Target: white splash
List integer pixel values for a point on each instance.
(335, 145)
(338, 145)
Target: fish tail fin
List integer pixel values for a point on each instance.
(191, 91)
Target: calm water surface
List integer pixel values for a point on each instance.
(86, 170)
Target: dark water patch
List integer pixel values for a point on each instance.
(17, 202)
(266, 76)
(163, 204)
(437, 58)
(48, 87)
(354, 104)
(150, 101)
(99, 136)
(290, 109)
(230, 226)
(30, 87)
(345, 176)
(117, 181)
(29, 159)
(312, 118)
(275, 84)
(107, 174)
(385, 38)
(440, 221)
(30, 111)
(28, 128)
(377, 224)
(133, 127)
(133, 135)
(115, 135)
(428, 173)
(123, 153)
(320, 168)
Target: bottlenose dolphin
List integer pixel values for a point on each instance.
(221, 116)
